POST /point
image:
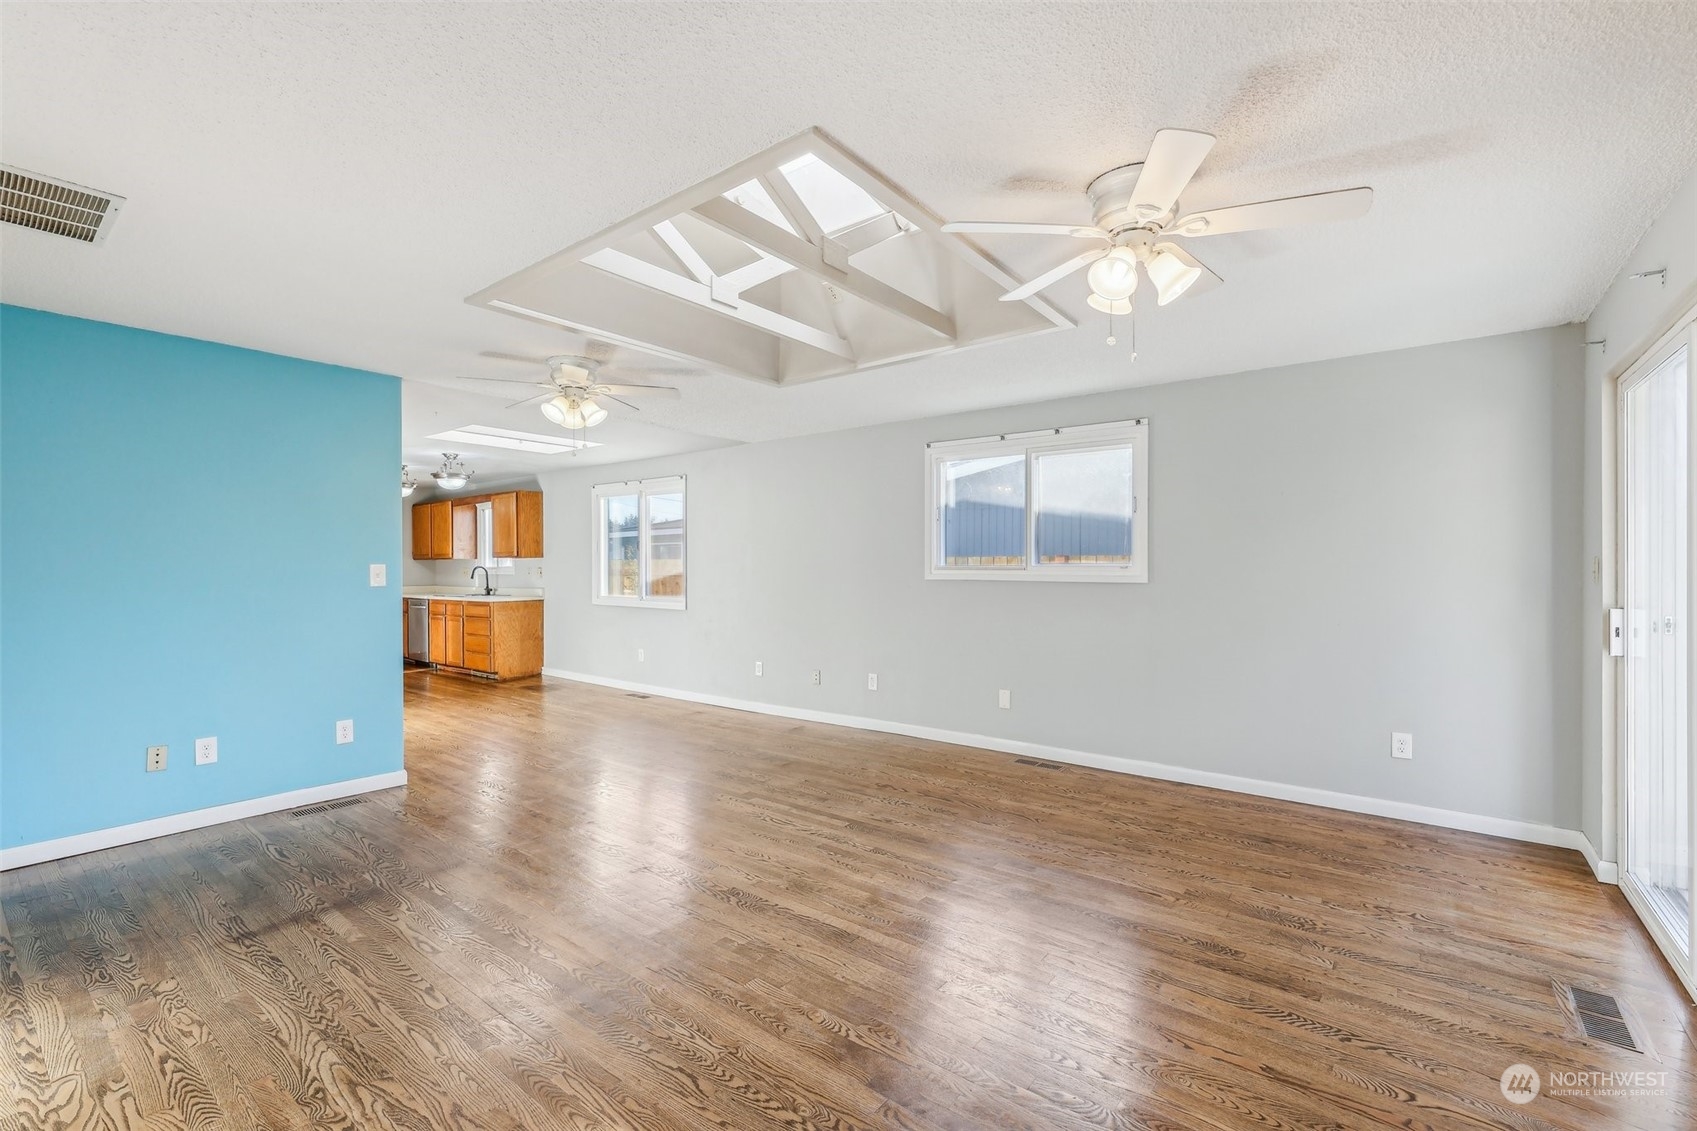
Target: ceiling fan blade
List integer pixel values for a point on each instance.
(1083, 232)
(1174, 157)
(620, 400)
(1316, 208)
(1205, 282)
(537, 397)
(508, 381)
(665, 391)
(513, 357)
(1055, 275)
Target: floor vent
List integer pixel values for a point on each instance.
(1600, 1019)
(638, 695)
(1035, 762)
(326, 806)
(58, 207)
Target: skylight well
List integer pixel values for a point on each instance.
(797, 264)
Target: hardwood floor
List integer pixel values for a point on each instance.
(590, 909)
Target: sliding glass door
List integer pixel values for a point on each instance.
(1656, 779)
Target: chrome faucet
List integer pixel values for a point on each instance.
(487, 588)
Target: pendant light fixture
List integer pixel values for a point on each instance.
(408, 483)
(453, 474)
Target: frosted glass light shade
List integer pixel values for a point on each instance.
(1171, 275)
(1114, 276)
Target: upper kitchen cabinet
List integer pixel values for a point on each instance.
(518, 524)
(448, 528)
(432, 531)
(465, 529)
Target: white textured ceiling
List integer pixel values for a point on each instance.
(332, 181)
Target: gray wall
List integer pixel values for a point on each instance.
(1631, 315)
(1339, 550)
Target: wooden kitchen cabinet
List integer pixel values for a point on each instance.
(453, 634)
(421, 532)
(438, 632)
(432, 531)
(518, 524)
(498, 638)
(465, 531)
(447, 528)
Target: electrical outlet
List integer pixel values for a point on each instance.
(1402, 745)
(1004, 699)
(639, 655)
(871, 681)
(205, 751)
(344, 731)
(816, 677)
(379, 575)
(759, 668)
(156, 758)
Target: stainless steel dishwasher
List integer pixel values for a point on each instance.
(418, 630)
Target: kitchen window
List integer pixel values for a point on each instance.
(1063, 504)
(639, 543)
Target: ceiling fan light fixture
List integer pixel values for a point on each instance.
(1171, 275)
(1113, 277)
(1120, 307)
(453, 474)
(593, 414)
(408, 483)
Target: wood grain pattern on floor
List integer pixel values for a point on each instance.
(591, 910)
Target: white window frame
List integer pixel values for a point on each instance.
(1133, 434)
(484, 519)
(642, 488)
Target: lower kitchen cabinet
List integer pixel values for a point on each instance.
(498, 638)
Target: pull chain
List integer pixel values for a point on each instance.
(1133, 327)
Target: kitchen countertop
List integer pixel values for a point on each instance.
(413, 592)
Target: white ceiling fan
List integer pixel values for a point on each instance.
(1138, 217)
(574, 391)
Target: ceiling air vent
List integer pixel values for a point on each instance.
(63, 209)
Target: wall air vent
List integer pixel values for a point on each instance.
(797, 264)
(31, 200)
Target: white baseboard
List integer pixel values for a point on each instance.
(43, 850)
(1605, 870)
(1354, 803)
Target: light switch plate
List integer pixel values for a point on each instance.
(1004, 700)
(871, 682)
(379, 575)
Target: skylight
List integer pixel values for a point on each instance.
(796, 264)
(754, 197)
(481, 435)
(835, 201)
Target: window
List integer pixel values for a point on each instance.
(639, 540)
(1064, 504)
(484, 515)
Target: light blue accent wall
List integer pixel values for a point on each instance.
(185, 531)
